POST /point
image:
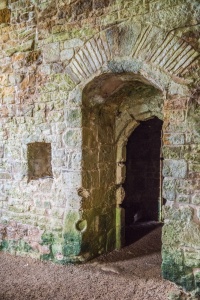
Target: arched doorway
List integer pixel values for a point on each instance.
(114, 105)
(142, 184)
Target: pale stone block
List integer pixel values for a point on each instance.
(121, 152)
(196, 199)
(175, 168)
(121, 173)
(71, 179)
(72, 138)
(66, 54)
(120, 194)
(73, 160)
(74, 117)
(51, 52)
(169, 189)
(93, 55)
(183, 198)
(73, 43)
(139, 109)
(90, 63)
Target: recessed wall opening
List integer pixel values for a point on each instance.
(143, 180)
(114, 106)
(39, 160)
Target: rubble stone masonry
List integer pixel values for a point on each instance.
(76, 78)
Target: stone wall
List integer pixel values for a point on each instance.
(67, 70)
(181, 189)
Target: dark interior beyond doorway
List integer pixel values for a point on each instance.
(142, 184)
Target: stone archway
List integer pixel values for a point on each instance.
(113, 106)
(154, 61)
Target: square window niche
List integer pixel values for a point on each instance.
(39, 161)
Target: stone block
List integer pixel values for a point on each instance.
(61, 36)
(71, 179)
(176, 103)
(169, 189)
(72, 138)
(26, 46)
(121, 173)
(191, 153)
(191, 235)
(51, 52)
(121, 153)
(196, 272)
(73, 43)
(5, 175)
(73, 117)
(170, 152)
(75, 97)
(120, 194)
(195, 168)
(183, 198)
(192, 258)
(184, 186)
(73, 160)
(175, 168)
(196, 199)
(66, 54)
(174, 139)
(73, 199)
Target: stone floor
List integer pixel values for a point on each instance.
(132, 273)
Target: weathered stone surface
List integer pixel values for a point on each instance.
(174, 139)
(196, 199)
(66, 54)
(81, 76)
(51, 52)
(175, 168)
(169, 189)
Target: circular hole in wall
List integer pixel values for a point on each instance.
(81, 225)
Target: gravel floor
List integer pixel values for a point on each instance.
(131, 273)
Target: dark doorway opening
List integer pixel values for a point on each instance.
(143, 180)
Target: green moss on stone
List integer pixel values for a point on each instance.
(72, 249)
(47, 238)
(47, 256)
(174, 270)
(15, 246)
(4, 245)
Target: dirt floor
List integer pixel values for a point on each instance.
(132, 273)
